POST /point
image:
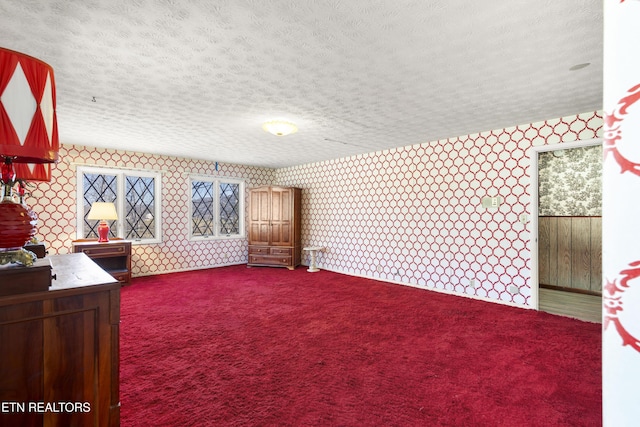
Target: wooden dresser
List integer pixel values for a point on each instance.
(274, 227)
(59, 349)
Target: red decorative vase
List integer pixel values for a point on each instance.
(103, 232)
(18, 225)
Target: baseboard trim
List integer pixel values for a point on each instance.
(574, 290)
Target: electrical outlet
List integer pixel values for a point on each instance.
(514, 290)
(491, 202)
(472, 283)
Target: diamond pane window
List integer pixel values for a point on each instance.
(229, 208)
(98, 188)
(203, 214)
(139, 208)
(136, 195)
(217, 208)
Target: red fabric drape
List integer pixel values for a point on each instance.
(33, 172)
(38, 145)
(8, 135)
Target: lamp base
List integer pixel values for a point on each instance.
(20, 256)
(103, 232)
(17, 226)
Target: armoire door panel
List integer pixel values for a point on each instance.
(264, 206)
(254, 206)
(259, 233)
(276, 206)
(285, 235)
(259, 202)
(276, 232)
(281, 234)
(284, 213)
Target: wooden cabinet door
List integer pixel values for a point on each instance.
(259, 216)
(281, 216)
(21, 361)
(71, 363)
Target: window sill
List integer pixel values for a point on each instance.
(146, 242)
(211, 238)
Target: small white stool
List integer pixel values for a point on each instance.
(312, 254)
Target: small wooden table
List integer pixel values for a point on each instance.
(113, 256)
(313, 250)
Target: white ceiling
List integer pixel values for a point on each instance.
(197, 78)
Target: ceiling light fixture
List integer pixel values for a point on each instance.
(279, 127)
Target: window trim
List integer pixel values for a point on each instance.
(216, 180)
(121, 173)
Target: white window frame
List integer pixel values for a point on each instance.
(216, 181)
(121, 173)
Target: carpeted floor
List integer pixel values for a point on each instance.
(239, 346)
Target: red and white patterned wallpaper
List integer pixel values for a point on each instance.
(408, 215)
(414, 214)
(55, 205)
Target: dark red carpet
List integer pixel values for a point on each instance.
(270, 347)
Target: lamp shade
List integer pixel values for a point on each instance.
(28, 125)
(102, 211)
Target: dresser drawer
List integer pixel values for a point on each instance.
(280, 251)
(261, 250)
(21, 280)
(269, 260)
(96, 251)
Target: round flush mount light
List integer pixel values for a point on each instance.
(279, 127)
(580, 66)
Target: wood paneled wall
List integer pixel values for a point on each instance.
(570, 252)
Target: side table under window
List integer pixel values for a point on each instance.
(113, 256)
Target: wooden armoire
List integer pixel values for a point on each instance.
(274, 226)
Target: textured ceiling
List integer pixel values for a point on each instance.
(197, 78)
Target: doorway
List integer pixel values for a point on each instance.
(566, 251)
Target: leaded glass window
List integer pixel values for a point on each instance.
(136, 195)
(217, 207)
(98, 188)
(139, 208)
(229, 208)
(203, 214)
